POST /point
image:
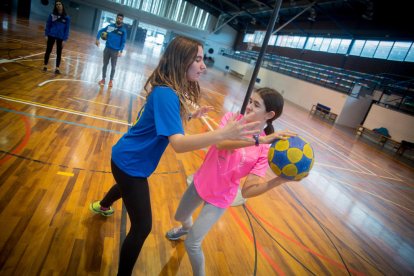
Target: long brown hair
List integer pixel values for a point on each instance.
(55, 10)
(273, 101)
(171, 71)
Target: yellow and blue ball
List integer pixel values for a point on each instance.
(104, 35)
(292, 158)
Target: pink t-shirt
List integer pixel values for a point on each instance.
(219, 176)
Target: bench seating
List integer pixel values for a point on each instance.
(237, 74)
(324, 112)
(405, 145)
(381, 139)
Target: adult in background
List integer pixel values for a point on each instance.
(115, 35)
(57, 30)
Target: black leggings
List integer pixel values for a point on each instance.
(135, 194)
(59, 44)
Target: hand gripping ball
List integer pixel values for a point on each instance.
(292, 158)
(104, 35)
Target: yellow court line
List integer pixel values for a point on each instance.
(66, 110)
(375, 195)
(65, 173)
(94, 102)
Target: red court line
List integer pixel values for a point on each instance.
(25, 140)
(259, 247)
(333, 262)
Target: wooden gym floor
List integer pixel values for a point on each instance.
(353, 215)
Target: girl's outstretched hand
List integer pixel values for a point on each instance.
(237, 129)
(201, 111)
(280, 134)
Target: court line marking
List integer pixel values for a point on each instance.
(80, 99)
(298, 243)
(330, 148)
(15, 59)
(374, 195)
(97, 117)
(37, 59)
(42, 45)
(359, 172)
(263, 252)
(60, 121)
(363, 158)
(393, 177)
(49, 81)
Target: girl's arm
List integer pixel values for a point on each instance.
(234, 130)
(256, 185)
(268, 139)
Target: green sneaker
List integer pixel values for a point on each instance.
(98, 209)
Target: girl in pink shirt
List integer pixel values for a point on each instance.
(216, 182)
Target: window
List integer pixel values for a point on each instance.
(399, 50)
(369, 48)
(248, 38)
(357, 47)
(309, 43)
(325, 44)
(272, 40)
(344, 46)
(281, 40)
(258, 37)
(384, 49)
(333, 47)
(176, 10)
(295, 41)
(317, 43)
(410, 55)
(301, 42)
(289, 41)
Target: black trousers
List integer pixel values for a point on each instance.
(135, 194)
(59, 44)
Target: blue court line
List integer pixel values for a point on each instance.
(60, 121)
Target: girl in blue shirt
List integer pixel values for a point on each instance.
(57, 29)
(171, 86)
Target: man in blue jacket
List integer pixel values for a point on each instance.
(115, 42)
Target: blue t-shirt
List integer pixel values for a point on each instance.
(138, 152)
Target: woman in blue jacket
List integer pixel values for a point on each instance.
(57, 29)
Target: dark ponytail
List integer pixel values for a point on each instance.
(269, 127)
(273, 101)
